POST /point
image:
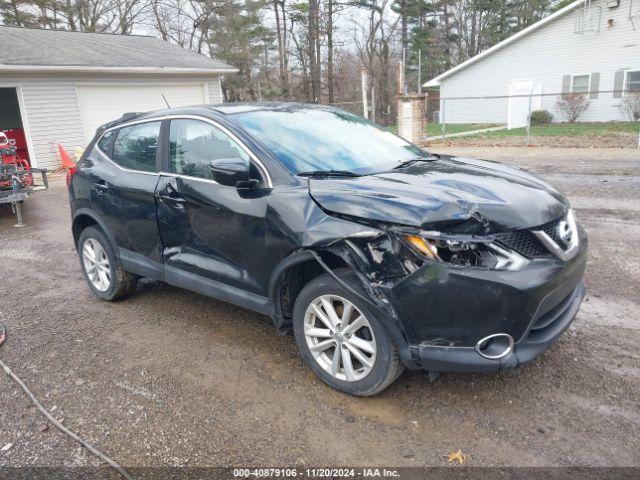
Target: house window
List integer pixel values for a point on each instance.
(633, 81)
(580, 83)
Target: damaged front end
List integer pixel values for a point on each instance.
(463, 301)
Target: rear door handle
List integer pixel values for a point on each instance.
(100, 187)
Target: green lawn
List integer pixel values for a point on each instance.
(565, 129)
(434, 129)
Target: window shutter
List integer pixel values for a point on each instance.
(566, 84)
(594, 85)
(618, 84)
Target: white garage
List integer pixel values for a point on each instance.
(95, 111)
(59, 86)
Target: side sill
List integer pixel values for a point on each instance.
(139, 264)
(218, 290)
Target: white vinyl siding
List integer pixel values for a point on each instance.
(53, 118)
(52, 111)
(547, 56)
(100, 104)
(215, 92)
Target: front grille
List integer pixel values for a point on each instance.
(551, 229)
(526, 243)
(523, 242)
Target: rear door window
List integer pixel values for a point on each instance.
(136, 146)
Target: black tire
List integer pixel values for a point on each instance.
(122, 283)
(387, 366)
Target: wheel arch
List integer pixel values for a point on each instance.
(291, 275)
(304, 262)
(84, 218)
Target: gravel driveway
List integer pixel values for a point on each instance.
(172, 378)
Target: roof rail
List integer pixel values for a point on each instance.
(130, 115)
(124, 118)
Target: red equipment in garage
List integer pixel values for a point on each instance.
(12, 164)
(18, 139)
(16, 174)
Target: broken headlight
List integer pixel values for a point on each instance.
(466, 253)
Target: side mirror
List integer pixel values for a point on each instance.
(232, 172)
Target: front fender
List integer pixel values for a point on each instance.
(354, 283)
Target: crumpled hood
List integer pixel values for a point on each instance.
(447, 190)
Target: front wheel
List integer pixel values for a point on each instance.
(341, 340)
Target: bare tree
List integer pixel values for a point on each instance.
(330, 74)
(88, 15)
(278, 8)
(130, 13)
(572, 105)
(313, 45)
(373, 40)
(17, 13)
(298, 17)
(629, 106)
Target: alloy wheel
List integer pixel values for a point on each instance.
(340, 338)
(96, 264)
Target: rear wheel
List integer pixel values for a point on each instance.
(104, 274)
(341, 340)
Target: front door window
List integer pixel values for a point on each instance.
(193, 144)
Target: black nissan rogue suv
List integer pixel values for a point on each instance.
(377, 254)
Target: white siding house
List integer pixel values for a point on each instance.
(590, 47)
(62, 85)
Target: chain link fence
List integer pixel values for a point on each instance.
(357, 108)
(603, 118)
(525, 117)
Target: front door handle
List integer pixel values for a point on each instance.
(171, 195)
(172, 199)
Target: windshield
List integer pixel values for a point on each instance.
(307, 140)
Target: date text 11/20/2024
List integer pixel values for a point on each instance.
(315, 473)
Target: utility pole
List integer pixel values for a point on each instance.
(420, 71)
(365, 104)
(404, 71)
(529, 116)
(373, 103)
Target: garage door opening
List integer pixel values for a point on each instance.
(11, 122)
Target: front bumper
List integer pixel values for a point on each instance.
(445, 311)
(467, 359)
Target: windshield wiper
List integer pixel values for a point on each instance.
(329, 173)
(411, 161)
